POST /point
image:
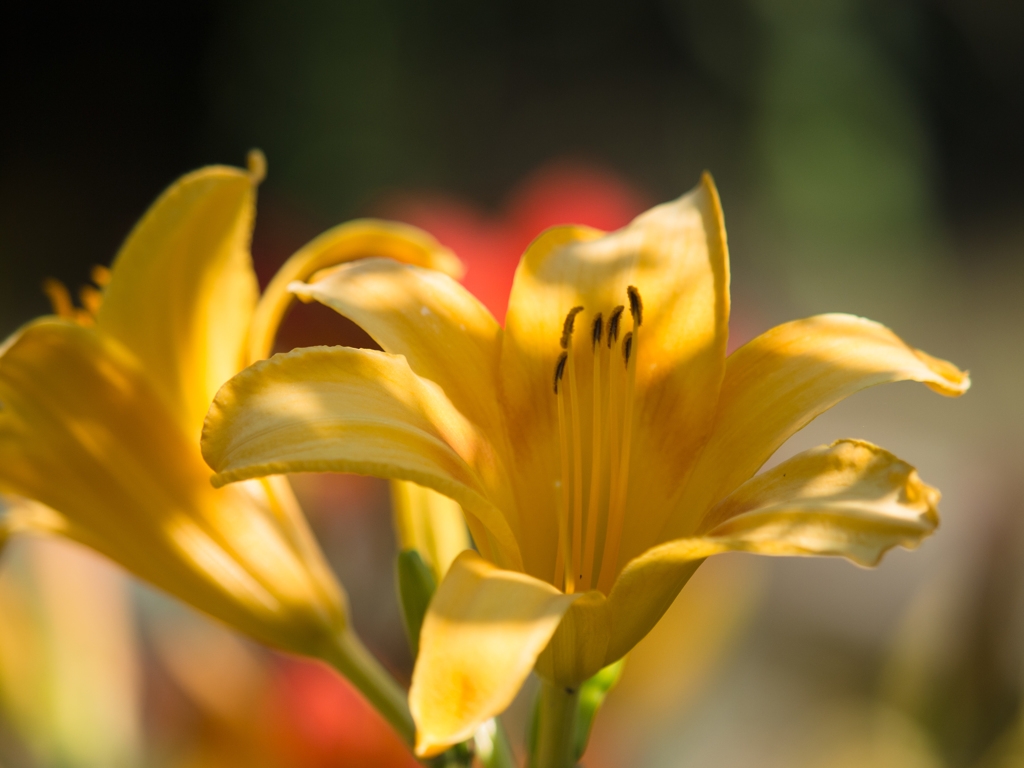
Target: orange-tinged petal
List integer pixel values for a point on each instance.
(445, 333)
(851, 499)
(784, 378)
(336, 409)
(182, 288)
(360, 239)
(482, 634)
(83, 432)
(676, 256)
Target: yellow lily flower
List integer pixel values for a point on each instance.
(601, 445)
(102, 410)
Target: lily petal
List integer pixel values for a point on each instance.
(360, 239)
(445, 333)
(676, 255)
(336, 409)
(851, 499)
(776, 384)
(482, 634)
(184, 269)
(82, 431)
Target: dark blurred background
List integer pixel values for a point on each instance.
(866, 119)
(870, 159)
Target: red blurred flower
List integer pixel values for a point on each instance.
(315, 719)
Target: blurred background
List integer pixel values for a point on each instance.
(870, 159)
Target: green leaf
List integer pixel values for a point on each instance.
(592, 695)
(416, 586)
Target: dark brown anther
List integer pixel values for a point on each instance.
(596, 331)
(570, 321)
(613, 325)
(560, 369)
(627, 346)
(636, 305)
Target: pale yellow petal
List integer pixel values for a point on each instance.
(445, 333)
(83, 432)
(783, 379)
(676, 256)
(850, 499)
(352, 410)
(482, 634)
(430, 523)
(182, 289)
(360, 239)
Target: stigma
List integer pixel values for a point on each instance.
(591, 513)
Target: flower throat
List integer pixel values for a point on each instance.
(612, 395)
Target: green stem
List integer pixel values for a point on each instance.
(556, 726)
(352, 659)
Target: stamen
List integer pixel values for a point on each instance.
(577, 458)
(567, 326)
(563, 482)
(636, 305)
(560, 369)
(596, 332)
(90, 298)
(613, 325)
(59, 298)
(587, 574)
(617, 497)
(100, 275)
(562, 557)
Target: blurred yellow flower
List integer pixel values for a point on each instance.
(69, 676)
(601, 445)
(102, 410)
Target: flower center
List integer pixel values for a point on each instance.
(611, 430)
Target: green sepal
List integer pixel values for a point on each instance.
(416, 586)
(592, 696)
(492, 746)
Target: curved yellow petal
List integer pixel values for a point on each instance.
(430, 523)
(360, 239)
(445, 333)
(784, 378)
(83, 432)
(676, 256)
(850, 498)
(482, 634)
(182, 288)
(336, 409)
